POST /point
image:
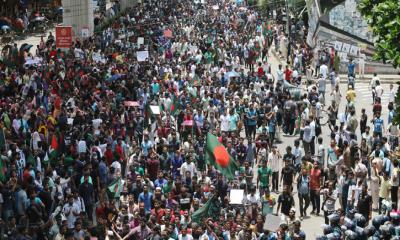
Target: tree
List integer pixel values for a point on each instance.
(383, 16)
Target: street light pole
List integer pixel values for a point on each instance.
(288, 28)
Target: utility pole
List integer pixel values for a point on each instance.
(287, 27)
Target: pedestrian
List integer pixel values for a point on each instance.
(315, 188)
(329, 200)
(384, 188)
(274, 158)
(303, 188)
(285, 202)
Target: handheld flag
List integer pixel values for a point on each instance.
(115, 188)
(217, 155)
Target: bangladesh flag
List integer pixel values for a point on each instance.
(217, 155)
(175, 105)
(115, 188)
(202, 212)
(53, 152)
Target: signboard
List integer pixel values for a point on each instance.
(236, 196)
(63, 36)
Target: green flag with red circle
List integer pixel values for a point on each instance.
(217, 155)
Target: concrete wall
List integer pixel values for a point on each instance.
(127, 4)
(79, 15)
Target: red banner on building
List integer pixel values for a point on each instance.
(63, 36)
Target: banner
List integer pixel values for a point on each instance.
(63, 36)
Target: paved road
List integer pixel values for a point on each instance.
(312, 224)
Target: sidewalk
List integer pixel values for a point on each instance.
(384, 78)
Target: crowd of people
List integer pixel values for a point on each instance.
(97, 142)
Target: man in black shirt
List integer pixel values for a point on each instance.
(289, 156)
(285, 201)
(287, 175)
(364, 205)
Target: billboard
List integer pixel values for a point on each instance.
(63, 36)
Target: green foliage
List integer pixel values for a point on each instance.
(383, 16)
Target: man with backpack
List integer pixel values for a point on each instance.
(303, 188)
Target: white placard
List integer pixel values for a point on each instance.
(155, 109)
(215, 7)
(140, 41)
(271, 223)
(236, 196)
(142, 56)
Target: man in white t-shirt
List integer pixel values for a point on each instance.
(378, 90)
(323, 70)
(224, 120)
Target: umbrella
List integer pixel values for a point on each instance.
(7, 47)
(25, 47)
(5, 21)
(5, 27)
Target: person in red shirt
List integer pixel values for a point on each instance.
(158, 211)
(260, 70)
(315, 187)
(108, 155)
(288, 73)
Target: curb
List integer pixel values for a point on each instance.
(383, 80)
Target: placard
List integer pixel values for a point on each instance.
(63, 36)
(272, 223)
(140, 41)
(142, 56)
(168, 33)
(131, 104)
(354, 50)
(155, 109)
(338, 45)
(236, 196)
(346, 48)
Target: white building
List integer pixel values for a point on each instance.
(79, 15)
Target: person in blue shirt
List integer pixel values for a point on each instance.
(160, 181)
(251, 122)
(378, 125)
(146, 197)
(351, 66)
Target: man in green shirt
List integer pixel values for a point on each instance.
(264, 175)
